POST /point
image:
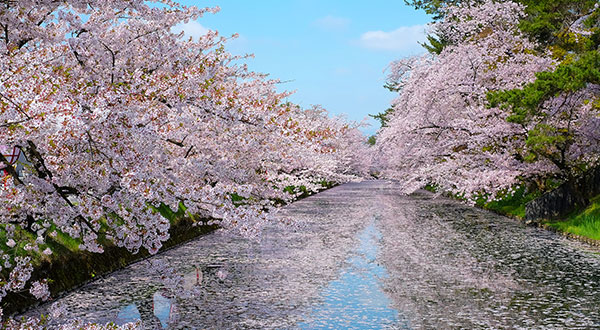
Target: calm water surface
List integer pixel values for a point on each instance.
(362, 256)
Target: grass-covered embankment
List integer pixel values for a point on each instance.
(69, 267)
(581, 223)
(509, 204)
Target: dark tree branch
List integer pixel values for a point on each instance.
(112, 54)
(188, 152)
(177, 143)
(10, 170)
(18, 107)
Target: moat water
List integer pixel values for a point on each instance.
(362, 256)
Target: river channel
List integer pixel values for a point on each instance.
(363, 256)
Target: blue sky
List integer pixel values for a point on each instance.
(331, 52)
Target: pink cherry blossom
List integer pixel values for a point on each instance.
(117, 115)
(442, 131)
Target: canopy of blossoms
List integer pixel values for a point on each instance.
(117, 115)
(444, 132)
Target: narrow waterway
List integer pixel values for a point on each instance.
(362, 256)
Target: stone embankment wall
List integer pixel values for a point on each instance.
(564, 199)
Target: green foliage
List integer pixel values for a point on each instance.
(383, 117)
(431, 187)
(372, 140)
(547, 141)
(64, 240)
(435, 44)
(237, 199)
(548, 21)
(568, 77)
(302, 191)
(584, 223)
(524, 104)
(169, 214)
(327, 184)
(293, 190)
(511, 204)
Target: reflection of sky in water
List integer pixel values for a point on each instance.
(127, 314)
(161, 308)
(355, 300)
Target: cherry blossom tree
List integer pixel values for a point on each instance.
(118, 116)
(441, 130)
(494, 109)
(560, 108)
(560, 111)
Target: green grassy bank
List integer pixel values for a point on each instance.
(507, 204)
(68, 267)
(582, 223)
(512, 205)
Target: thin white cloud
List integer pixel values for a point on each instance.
(332, 23)
(191, 29)
(405, 39)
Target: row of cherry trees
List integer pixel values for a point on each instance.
(117, 115)
(487, 113)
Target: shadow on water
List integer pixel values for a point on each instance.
(355, 300)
